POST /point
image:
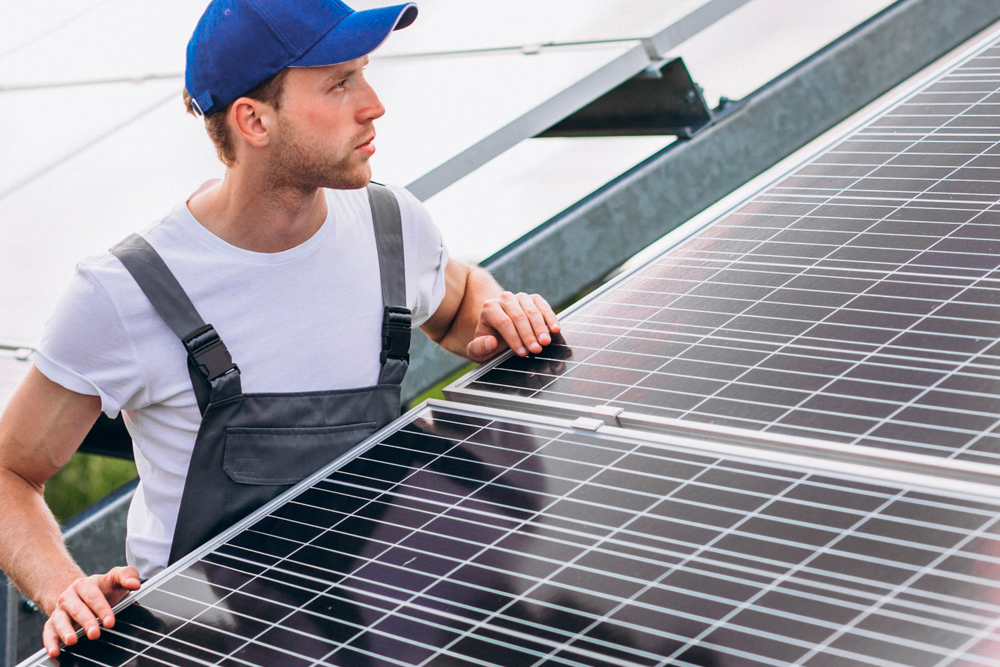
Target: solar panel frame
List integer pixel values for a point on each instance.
(507, 395)
(974, 492)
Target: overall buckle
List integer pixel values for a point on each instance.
(396, 323)
(208, 352)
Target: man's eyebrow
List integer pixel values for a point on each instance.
(345, 69)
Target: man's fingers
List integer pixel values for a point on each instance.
(63, 627)
(481, 348)
(84, 602)
(50, 639)
(522, 338)
(80, 612)
(98, 603)
(537, 320)
(547, 313)
(525, 322)
(495, 317)
(125, 577)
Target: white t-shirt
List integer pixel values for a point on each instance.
(306, 319)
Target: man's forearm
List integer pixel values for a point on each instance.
(479, 286)
(32, 552)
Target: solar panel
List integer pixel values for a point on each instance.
(482, 538)
(854, 300)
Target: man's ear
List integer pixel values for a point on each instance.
(252, 120)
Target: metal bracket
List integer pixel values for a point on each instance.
(608, 413)
(587, 424)
(663, 99)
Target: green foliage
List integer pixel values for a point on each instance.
(436, 390)
(86, 479)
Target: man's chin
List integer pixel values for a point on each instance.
(350, 181)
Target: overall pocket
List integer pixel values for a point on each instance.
(282, 456)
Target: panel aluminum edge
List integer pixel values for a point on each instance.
(955, 478)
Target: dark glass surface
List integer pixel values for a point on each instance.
(873, 263)
(499, 543)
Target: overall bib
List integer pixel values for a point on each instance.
(252, 447)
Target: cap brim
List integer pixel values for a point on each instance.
(357, 35)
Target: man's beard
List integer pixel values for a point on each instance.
(300, 166)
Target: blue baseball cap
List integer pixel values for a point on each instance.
(238, 44)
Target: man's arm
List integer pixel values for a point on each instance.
(477, 318)
(40, 430)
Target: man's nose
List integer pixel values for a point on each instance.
(372, 107)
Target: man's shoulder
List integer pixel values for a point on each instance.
(162, 234)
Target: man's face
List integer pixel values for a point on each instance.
(325, 128)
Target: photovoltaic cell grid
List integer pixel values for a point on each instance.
(854, 301)
(463, 540)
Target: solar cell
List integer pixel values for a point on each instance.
(464, 538)
(854, 300)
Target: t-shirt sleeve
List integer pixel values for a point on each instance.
(85, 347)
(426, 257)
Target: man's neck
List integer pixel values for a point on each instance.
(252, 217)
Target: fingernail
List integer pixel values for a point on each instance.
(544, 339)
(536, 348)
(521, 351)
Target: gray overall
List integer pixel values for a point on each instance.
(251, 447)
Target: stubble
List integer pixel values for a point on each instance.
(300, 165)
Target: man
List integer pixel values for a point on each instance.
(307, 282)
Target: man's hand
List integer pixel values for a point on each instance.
(477, 319)
(522, 322)
(85, 601)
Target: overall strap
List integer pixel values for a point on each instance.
(213, 373)
(395, 316)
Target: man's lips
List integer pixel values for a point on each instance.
(368, 146)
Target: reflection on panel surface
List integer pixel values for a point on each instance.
(465, 540)
(855, 301)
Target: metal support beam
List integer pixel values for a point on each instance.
(574, 97)
(587, 241)
(662, 100)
